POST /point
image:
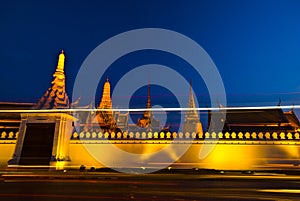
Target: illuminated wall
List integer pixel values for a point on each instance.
(280, 151)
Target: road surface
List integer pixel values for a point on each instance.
(177, 186)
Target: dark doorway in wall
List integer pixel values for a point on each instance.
(38, 143)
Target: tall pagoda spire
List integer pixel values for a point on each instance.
(148, 118)
(106, 100)
(192, 122)
(191, 114)
(105, 118)
(56, 97)
(148, 113)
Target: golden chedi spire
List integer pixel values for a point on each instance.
(105, 118)
(106, 100)
(191, 114)
(148, 119)
(56, 97)
(192, 122)
(148, 113)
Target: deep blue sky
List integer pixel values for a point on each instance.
(254, 44)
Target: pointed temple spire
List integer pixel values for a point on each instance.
(148, 97)
(56, 97)
(192, 122)
(105, 118)
(148, 119)
(148, 113)
(191, 114)
(106, 102)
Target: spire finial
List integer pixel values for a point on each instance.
(61, 62)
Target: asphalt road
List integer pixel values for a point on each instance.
(74, 185)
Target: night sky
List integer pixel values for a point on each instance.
(254, 44)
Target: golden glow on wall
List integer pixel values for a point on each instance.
(223, 156)
(145, 149)
(231, 157)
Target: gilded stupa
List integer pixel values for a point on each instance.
(148, 120)
(106, 100)
(105, 118)
(192, 122)
(56, 97)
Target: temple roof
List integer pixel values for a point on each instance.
(292, 118)
(259, 116)
(15, 106)
(11, 121)
(272, 120)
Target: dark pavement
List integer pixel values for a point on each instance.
(189, 185)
